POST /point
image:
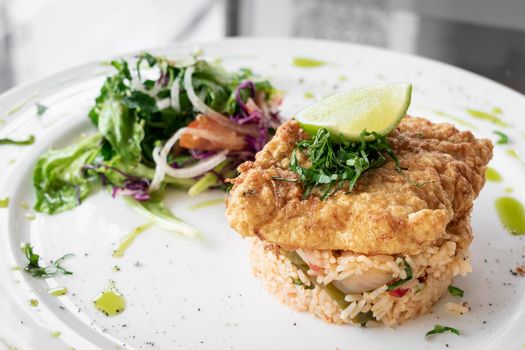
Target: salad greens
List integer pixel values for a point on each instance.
(183, 123)
(157, 212)
(59, 178)
(33, 267)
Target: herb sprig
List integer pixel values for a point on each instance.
(438, 329)
(455, 291)
(408, 271)
(503, 138)
(34, 268)
(334, 165)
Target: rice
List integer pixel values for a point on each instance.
(456, 309)
(433, 271)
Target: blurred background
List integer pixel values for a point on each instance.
(41, 37)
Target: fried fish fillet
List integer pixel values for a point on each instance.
(388, 212)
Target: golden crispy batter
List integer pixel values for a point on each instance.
(388, 212)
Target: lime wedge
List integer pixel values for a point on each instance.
(376, 108)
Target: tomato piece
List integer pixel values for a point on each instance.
(398, 292)
(207, 135)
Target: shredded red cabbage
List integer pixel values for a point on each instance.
(247, 84)
(163, 78)
(133, 185)
(138, 188)
(244, 116)
(255, 144)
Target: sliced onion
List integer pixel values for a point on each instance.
(182, 61)
(163, 104)
(162, 167)
(197, 169)
(216, 116)
(137, 84)
(174, 94)
(159, 174)
(194, 99)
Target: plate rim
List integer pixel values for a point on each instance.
(242, 41)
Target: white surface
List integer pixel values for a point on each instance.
(178, 276)
(48, 36)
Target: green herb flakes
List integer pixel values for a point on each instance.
(40, 109)
(455, 291)
(338, 165)
(408, 271)
(438, 329)
(298, 282)
(503, 138)
(33, 267)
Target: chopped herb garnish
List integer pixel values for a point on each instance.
(503, 138)
(40, 109)
(438, 329)
(298, 282)
(408, 271)
(283, 179)
(455, 291)
(29, 141)
(334, 165)
(34, 268)
(363, 317)
(4, 202)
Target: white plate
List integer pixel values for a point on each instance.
(200, 293)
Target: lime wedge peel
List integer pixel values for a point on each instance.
(377, 108)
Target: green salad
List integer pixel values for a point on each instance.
(161, 123)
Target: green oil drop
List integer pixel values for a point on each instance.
(309, 95)
(304, 62)
(492, 175)
(497, 110)
(208, 203)
(126, 242)
(110, 302)
(4, 202)
(456, 119)
(486, 116)
(511, 214)
(58, 292)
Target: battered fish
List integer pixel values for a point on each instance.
(388, 212)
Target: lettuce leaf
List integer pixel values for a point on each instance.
(58, 178)
(156, 211)
(122, 129)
